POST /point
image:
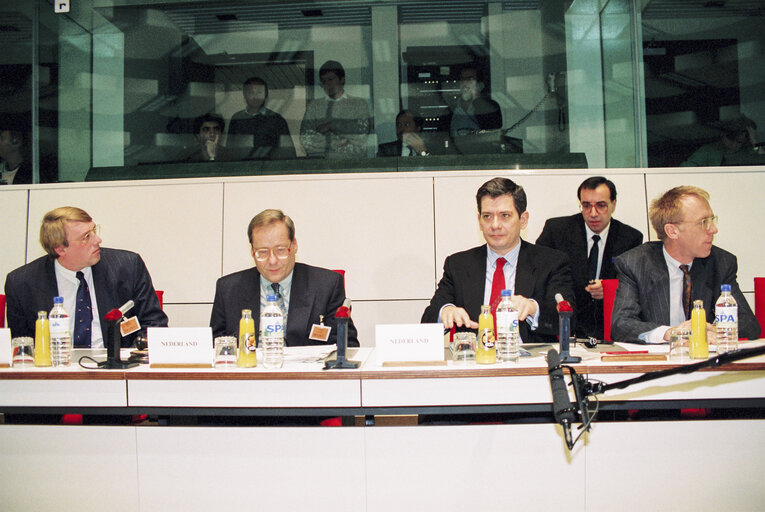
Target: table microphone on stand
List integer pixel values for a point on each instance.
(342, 316)
(565, 312)
(114, 339)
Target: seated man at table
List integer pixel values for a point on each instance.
(592, 239)
(307, 293)
(477, 276)
(93, 281)
(658, 281)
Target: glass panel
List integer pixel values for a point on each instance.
(704, 82)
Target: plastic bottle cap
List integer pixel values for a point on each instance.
(725, 287)
(270, 298)
(58, 300)
(507, 293)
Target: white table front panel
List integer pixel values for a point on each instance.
(62, 393)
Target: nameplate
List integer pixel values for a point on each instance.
(180, 347)
(409, 342)
(5, 347)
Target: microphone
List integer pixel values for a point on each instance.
(565, 312)
(563, 411)
(343, 317)
(126, 307)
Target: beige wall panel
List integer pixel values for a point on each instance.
(188, 315)
(549, 195)
(13, 231)
(736, 196)
(175, 226)
(378, 228)
(630, 464)
(50, 467)
(367, 314)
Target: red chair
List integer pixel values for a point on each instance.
(2, 311)
(160, 295)
(609, 293)
(759, 303)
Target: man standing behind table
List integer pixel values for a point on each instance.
(92, 280)
(592, 240)
(305, 293)
(658, 281)
(477, 276)
(336, 126)
(257, 131)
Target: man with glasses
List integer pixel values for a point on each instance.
(93, 281)
(592, 239)
(659, 281)
(307, 295)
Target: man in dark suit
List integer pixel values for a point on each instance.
(77, 268)
(658, 281)
(306, 293)
(592, 240)
(534, 273)
(473, 111)
(408, 141)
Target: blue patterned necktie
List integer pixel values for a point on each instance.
(83, 314)
(280, 300)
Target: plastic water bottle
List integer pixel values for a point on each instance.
(272, 334)
(508, 337)
(726, 321)
(60, 334)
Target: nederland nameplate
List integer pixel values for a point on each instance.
(180, 347)
(409, 342)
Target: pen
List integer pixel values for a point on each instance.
(630, 352)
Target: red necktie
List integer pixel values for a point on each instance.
(497, 285)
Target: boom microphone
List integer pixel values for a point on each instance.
(563, 411)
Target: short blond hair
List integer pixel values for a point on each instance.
(667, 208)
(270, 216)
(53, 228)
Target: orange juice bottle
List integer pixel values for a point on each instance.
(42, 340)
(485, 351)
(246, 356)
(698, 347)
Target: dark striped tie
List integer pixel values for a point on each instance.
(687, 290)
(83, 314)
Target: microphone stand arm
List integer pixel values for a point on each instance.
(591, 388)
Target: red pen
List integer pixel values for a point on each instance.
(622, 352)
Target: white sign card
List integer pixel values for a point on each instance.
(409, 342)
(5, 347)
(180, 346)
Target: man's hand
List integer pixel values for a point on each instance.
(415, 142)
(324, 128)
(595, 289)
(452, 315)
(711, 331)
(526, 307)
(211, 146)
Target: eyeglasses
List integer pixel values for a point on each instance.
(600, 206)
(88, 238)
(705, 223)
(282, 252)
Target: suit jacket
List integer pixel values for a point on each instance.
(118, 277)
(568, 234)
(487, 114)
(315, 291)
(642, 299)
(390, 148)
(541, 273)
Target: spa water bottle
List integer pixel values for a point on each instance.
(726, 321)
(60, 334)
(272, 334)
(508, 338)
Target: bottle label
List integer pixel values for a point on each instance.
(486, 339)
(726, 314)
(250, 342)
(271, 326)
(59, 326)
(507, 321)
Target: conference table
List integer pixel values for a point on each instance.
(438, 436)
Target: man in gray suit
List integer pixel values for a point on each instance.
(306, 293)
(658, 281)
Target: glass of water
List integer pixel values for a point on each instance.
(464, 347)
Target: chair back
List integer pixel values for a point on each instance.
(759, 303)
(609, 293)
(2, 311)
(160, 295)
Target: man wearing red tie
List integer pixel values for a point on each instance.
(477, 276)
